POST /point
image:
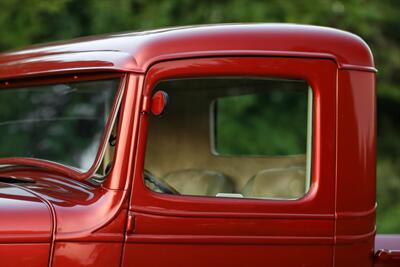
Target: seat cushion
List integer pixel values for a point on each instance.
(199, 182)
(282, 183)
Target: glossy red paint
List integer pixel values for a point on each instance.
(121, 223)
(97, 209)
(18, 234)
(24, 254)
(135, 52)
(355, 178)
(15, 202)
(87, 254)
(81, 213)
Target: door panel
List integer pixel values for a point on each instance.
(87, 254)
(178, 230)
(34, 254)
(200, 255)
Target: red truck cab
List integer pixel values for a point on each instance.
(225, 145)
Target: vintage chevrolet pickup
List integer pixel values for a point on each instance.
(225, 145)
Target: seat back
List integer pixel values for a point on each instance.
(282, 183)
(199, 182)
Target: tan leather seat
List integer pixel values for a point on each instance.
(283, 183)
(199, 182)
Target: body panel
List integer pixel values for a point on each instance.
(15, 204)
(26, 227)
(87, 254)
(24, 254)
(95, 207)
(180, 255)
(356, 173)
(90, 221)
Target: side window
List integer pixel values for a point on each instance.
(232, 137)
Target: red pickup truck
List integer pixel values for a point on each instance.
(225, 145)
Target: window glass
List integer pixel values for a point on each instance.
(63, 123)
(259, 117)
(232, 137)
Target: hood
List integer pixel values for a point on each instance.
(24, 216)
(33, 198)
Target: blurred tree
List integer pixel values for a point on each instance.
(23, 22)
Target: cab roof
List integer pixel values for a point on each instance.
(137, 51)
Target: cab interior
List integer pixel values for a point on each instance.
(182, 156)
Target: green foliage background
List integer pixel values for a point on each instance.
(23, 22)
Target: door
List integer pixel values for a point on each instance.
(240, 169)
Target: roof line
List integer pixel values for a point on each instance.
(190, 55)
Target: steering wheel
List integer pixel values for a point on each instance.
(158, 186)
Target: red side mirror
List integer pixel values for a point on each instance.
(159, 102)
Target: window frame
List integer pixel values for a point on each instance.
(320, 74)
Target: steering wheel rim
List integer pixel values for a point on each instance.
(157, 185)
